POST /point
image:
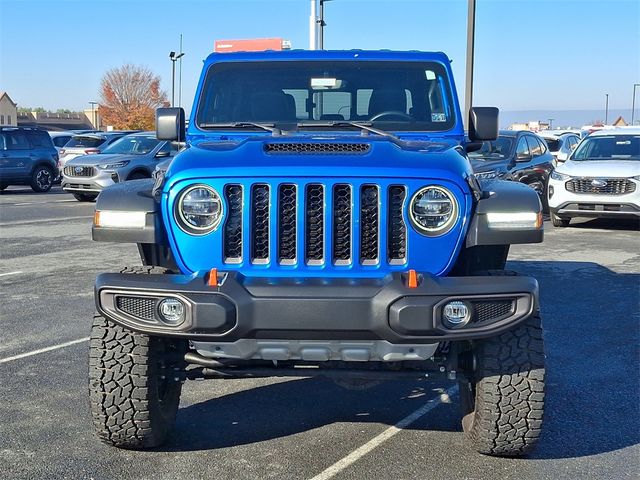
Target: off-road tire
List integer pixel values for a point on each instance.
(137, 176)
(85, 197)
(560, 222)
(42, 179)
(133, 394)
(502, 400)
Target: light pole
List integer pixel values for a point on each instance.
(551, 123)
(471, 31)
(606, 109)
(633, 102)
(174, 58)
(313, 27)
(94, 120)
(321, 24)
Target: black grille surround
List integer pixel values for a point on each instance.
(491, 311)
(139, 307)
(317, 147)
(611, 186)
(70, 171)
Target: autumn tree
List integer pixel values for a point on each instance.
(129, 96)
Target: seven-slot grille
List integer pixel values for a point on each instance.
(315, 224)
(71, 171)
(610, 186)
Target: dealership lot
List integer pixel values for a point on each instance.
(302, 428)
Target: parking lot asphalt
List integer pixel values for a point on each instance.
(589, 276)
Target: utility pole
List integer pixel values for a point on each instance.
(551, 123)
(606, 109)
(313, 27)
(321, 25)
(471, 30)
(633, 102)
(174, 58)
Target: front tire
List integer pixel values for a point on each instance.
(560, 222)
(85, 197)
(133, 394)
(42, 179)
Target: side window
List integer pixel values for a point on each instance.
(522, 152)
(40, 139)
(1, 119)
(543, 146)
(60, 141)
(8, 119)
(535, 149)
(17, 141)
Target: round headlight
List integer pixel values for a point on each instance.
(199, 209)
(433, 210)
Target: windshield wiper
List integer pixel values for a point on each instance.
(366, 126)
(269, 127)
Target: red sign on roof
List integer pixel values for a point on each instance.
(250, 45)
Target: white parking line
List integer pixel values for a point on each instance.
(41, 203)
(10, 273)
(357, 454)
(43, 350)
(43, 220)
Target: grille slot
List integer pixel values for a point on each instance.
(314, 224)
(491, 311)
(397, 228)
(342, 224)
(260, 224)
(612, 186)
(139, 307)
(369, 224)
(287, 228)
(70, 171)
(233, 224)
(317, 147)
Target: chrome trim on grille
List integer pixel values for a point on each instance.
(314, 201)
(287, 223)
(397, 227)
(342, 214)
(369, 224)
(232, 230)
(260, 215)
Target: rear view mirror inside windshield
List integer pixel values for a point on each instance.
(326, 83)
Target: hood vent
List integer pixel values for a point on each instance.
(317, 147)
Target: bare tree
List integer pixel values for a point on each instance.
(129, 96)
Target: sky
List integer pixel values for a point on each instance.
(530, 54)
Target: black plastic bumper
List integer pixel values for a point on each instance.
(316, 308)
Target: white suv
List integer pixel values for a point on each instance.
(600, 179)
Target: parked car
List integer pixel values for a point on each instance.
(130, 157)
(520, 156)
(561, 144)
(338, 249)
(60, 139)
(601, 178)
(27, 157)
(87, 144)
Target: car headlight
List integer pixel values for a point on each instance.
(487, 175)
(113, 166)
(433, 210)
(559, 176)
(199, 209)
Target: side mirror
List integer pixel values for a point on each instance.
(162, 154)
(170, 124)
(523, 158)
(483, 123)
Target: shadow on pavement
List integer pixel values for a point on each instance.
(629, 224)
(592, 335)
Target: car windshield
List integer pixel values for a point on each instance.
(82, 141)
(494, 150)
(133, 145)
(388, 95)
(553, 143)
(608, 147)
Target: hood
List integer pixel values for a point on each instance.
(488, 165)
(321, 156)
(100, 158)
(604, 168)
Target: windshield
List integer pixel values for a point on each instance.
(554, 144)
(88, 141)
(495, 150)
(388, 95)
(609, 147)
(133, 145)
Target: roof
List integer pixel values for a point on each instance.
(411, 55)
(5, 94)
(616, 131)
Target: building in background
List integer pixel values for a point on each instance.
(8, 110)
(533, 126)
(55, 121)
(251, 45)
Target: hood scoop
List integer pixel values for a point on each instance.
(343, 148)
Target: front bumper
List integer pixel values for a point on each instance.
(323, 309)
(95, 184)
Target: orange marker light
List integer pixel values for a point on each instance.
(412, 279)
(96, 218)
(213, 277)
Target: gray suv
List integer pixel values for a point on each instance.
(129, 158)
(27, 157)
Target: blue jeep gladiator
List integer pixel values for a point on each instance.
(322, 219)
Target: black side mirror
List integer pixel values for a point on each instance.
(170, 124)
(162, 154)
(483, 123)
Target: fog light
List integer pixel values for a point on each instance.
(171, 311)
(456, 314)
